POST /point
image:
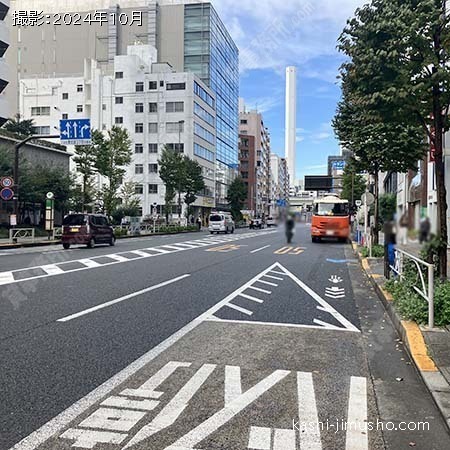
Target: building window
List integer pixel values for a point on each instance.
(243, 121)
(65, 95)
(174, 107)
(79, 108)
(203, 133)
(65, 116)
(119, 100)
(152, 85)
(42, 130)
(138, 148)
(174, 127)
(153, 127)
(138, 189)
(204, 153)
(203, 114)
(139, 169)
(119, 75)
(244, 175)
(118, 120)
(152, 107)
(139, 108)
(139, 86)
(175, 86)
(178, 147)
(203, 94)
(40, 110)
(138, 127)
(79, 88)
(103, 107)
(161, 83)
(153, 148)
(153, 168)
(152, 188)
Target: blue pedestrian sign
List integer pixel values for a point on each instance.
(75, 131)
(282, 203)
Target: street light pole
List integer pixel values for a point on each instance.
(17, 147)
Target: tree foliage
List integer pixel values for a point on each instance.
(17, 125)
(193, 181)
(353, 184)
(85, 160)
(237, 194)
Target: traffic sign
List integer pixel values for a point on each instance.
(7, 182)
(75, 131)
(358, 203)
(50, 195)
(338, 165)
(6, 194)
(368, 198)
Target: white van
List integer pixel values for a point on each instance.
(221, 223)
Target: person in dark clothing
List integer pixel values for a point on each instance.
(290, 225)
(425, 228)
(199, 223)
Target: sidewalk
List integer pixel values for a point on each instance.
(39, 241)
(429, 349)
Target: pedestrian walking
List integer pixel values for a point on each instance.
(290, 225)
(199, 223)
(425, 228)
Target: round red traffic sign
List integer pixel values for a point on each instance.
(6, 194)
(7, 182)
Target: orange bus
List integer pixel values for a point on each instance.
(330, 219)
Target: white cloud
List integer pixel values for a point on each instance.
(299, 139)
(316, 167)
(292, 32)
(262, 104)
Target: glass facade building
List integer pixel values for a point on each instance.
(211, 54)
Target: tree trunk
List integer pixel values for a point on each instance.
(439, 169)
(376, 209)
(83, 206)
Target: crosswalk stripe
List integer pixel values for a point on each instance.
(173, 247)
(118, 258)
(140, 253)
(284, 439)
(89, 263)
(159, 250)
(357, 436)
(52, 269)
(6, 277)
(238, 308)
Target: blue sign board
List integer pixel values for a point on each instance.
(75, 131)
(281, 203)
(338, 165)
(6, 194)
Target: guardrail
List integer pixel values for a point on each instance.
(147, 228)
(21, 233)
(424, 290)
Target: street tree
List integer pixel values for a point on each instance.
(193, 181)
(171, 172)
(113, 154)
(237, 194)
(24, 127)
(353, 184)
(85, 160)
(400, 48)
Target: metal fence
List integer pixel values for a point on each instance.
(424, 288)
(22, 234)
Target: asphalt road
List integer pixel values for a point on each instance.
(200, 342)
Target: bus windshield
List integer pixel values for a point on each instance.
(331, 209)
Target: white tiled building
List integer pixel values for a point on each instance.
(157, 106)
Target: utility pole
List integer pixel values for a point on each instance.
(16, 172)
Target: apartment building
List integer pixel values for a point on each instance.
(158, 107)
(279, 182)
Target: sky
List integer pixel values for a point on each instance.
(303, 33)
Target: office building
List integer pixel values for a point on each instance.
(188, 35)
(158, 107)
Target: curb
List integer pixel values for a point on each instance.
(412, 336)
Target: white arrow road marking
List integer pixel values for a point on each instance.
(357, 435)
(220, 418)
(307, 413)
(90, 438)
(121, 299)
(170, 413)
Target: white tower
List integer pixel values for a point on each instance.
(291, 120)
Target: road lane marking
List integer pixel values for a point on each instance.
(307, 413)
(62, 420)
(249, 297)
(268, 283)
(6, 277)
(240, 309)
(284, 439)
(277, 271)
(282, 251)
(173, 247)
(140, 253)
(233, 384)
(170, 413)
(121, 299)
(289, 251)
(260, 438)
(260, 249)
(118, 258)
(158, 249)
(357, 436)
(274, 278)
(264, 291)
